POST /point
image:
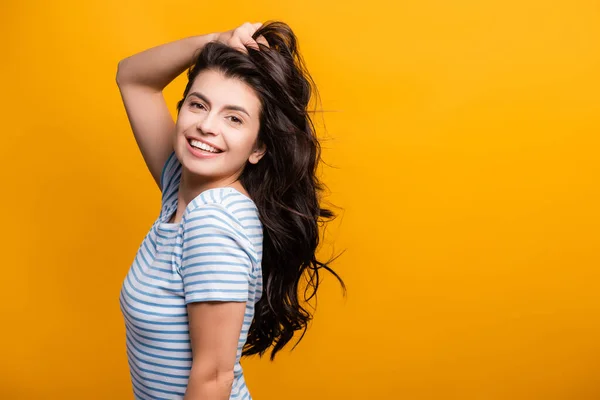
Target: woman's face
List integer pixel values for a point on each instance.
(217, 128)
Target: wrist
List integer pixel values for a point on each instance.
(195, 44)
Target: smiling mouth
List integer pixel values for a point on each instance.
(203, 147)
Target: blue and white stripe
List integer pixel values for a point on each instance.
(213, 254)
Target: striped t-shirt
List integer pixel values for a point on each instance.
(213, 254)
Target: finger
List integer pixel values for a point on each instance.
(248, 27)
(251, 43)
(236, 43)
(261, 39)
(244, 33)
(247, 40)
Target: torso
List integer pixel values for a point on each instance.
(153, 296)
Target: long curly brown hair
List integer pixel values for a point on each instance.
(283, 185)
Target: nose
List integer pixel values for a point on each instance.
(207, 124)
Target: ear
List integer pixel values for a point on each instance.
(258, 153)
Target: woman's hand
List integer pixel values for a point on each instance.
(241, 36)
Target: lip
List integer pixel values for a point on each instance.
(199, 153)
(188, 138)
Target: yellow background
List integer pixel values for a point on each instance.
(462, 138)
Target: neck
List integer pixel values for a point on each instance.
(192, 185)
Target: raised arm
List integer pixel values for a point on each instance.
(143, 76)
(141, 79)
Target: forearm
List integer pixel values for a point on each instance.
(213, 386)
(156, 67)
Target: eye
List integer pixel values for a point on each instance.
(193, 104)
(235, 120)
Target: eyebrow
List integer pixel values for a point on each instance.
(227, 106)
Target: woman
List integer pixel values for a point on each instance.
(217, 275)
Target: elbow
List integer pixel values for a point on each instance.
(121, 72)
(225, 379)
(212, 375)
(209, 383)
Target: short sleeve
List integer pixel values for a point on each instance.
(169, 173)
(216, 263)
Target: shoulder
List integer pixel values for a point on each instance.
(228, 203)
(227, 212)
(169, 181)
(226, 216)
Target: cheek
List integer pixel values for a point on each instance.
(181, 122)
(243, 139)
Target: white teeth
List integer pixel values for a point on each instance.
(203, 146)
